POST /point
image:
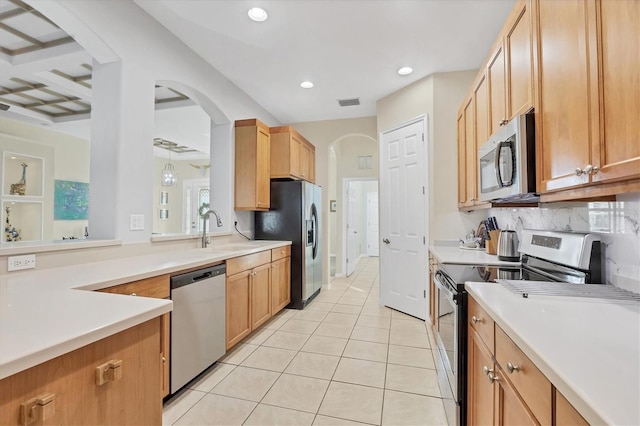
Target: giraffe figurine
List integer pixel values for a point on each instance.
(20, 188)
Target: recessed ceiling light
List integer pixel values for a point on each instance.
(405, 70)
(12, 157)
(306, 85)
(258, 14)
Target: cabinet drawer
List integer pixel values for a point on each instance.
(156, 287)
(480, 321)
(531, 384)
(280, 252)
(250, 261)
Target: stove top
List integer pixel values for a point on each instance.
(462, 273)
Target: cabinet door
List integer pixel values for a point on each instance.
(567, 126)
(519, 62)
(165, 330)
(462, 162)
(480, 397)
(497, 96)
(305, 161)
(294, 156)
(618, 155)
(132, 399)
(263, 170)
(481, 109)
(260, 297)
(510, 410)
(238, 308)
(471, 153)
(565, 413)
(312, 166)
(280, 284)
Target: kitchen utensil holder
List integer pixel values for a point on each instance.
(491, 245)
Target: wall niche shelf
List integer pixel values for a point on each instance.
(15, 166)
(22, 197)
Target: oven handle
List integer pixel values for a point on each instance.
(443, 287)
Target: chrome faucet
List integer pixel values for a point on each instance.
(205, 216)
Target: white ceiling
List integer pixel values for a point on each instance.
(347, 48)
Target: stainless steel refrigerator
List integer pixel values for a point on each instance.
(295, 215)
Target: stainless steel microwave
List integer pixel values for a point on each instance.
(507, 165)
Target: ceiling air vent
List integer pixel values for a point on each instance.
(4, 107)
(349, 102)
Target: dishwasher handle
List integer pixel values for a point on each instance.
(182, 280)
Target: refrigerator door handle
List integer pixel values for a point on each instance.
(314, 227)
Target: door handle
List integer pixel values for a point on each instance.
(386, 241)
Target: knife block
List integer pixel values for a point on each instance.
(491, 246)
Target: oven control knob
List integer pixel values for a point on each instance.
(511, 368)
(475, 319)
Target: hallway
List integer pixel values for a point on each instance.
(343, 360)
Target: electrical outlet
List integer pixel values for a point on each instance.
(16, 263)
(136, 222)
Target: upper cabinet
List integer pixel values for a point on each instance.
(575, 62)
(589, 57)
(292, 156)
(252, 165)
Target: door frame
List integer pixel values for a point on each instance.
(345, 214)
(424, 119)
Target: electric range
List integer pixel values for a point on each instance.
(547, 256)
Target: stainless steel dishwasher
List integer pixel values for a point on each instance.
(197, 322)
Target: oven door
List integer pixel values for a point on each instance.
(448, 325)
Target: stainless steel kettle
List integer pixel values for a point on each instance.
(508, 246)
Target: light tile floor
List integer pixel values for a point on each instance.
(344, 360)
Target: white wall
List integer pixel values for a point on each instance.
(438, 96)
(122, 121)
(322, 134)
(65, 158)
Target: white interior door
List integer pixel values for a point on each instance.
(403, 258)
(352, 229)
(372, 224)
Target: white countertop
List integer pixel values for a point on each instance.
(45, 313)
(448, 254)
(588, 349)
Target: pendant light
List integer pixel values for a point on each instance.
(168, 176)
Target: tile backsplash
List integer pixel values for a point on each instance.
(618, 224)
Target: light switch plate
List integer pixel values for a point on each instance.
(16, 263)
(136, 222)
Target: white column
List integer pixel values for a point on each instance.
(122, 123)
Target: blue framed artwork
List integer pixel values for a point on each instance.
(71, 200)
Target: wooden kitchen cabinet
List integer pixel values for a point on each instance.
(565, 414)
(292, 156)
(130, 399)
(480, 390)
(252, 165)
(280, 284)
(462, 161)
(260, 295)
(160, 288)
(510, 68)
(504, 387)
(249, 294)
(433, 291)
(587, 138)
(509, 407)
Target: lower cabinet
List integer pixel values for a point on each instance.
(160, 288)
(237, 307)
(480, 393)
(504, 387)
(280, 284)
(66, 389)
(258, 287)
(260, 295)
